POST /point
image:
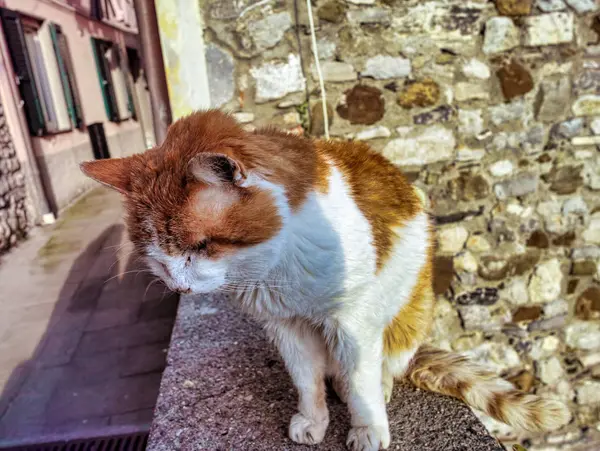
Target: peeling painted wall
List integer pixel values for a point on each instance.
(181, 35)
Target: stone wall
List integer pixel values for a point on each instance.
(493, 110)
(13, 211)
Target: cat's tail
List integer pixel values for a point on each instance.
(454, 375)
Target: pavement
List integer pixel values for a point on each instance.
(83, 330)
(225, 388)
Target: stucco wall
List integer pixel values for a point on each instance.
(58, 155)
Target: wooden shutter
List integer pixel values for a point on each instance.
(15, 39)
(65, 67)
(104, 76)
(128, 83)
(66, 55)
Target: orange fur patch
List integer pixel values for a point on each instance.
(412, 323)
(252, 219)
(454, 375)
(290, 161)
(162, 192)
(378, 187)
(287, 160)
(323, 172)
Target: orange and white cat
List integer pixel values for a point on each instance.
(327, 245)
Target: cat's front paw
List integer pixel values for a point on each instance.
(368, 438)
(307, 431)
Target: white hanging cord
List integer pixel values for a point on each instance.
(318, 67)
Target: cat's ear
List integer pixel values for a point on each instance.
(216, 168)
(111, 172)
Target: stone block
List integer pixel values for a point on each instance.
(501, 34)
(362, 105)
(587, 105)
(381, 67)
(514, 7)
(422, 93)
(275, 79)
(549, 6)
(220, 69)
(470, 122)
(268, 31)
(371, 15)
(434, 143)
(515, 80)
(546, 283)
(477, 69)
(553, 100)
(549, 29)
(583, 6)
(441, 114)
(583, 335)
(466, 91)
(519, 185)
(335, 71)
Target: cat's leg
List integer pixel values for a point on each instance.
(338, 382)
(359, 350)
(339, 386)
(394, 367)
(387, 382)
(304, 353)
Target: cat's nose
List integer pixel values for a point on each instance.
(183, 290)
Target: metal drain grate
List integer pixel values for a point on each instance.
(130, 442)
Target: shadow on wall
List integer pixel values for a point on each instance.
(99, 362)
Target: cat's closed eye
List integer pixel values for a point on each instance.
(200, 246)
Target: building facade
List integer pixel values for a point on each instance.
(73, 89)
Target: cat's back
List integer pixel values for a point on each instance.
(381, 192)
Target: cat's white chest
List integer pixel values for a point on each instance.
(328, 256)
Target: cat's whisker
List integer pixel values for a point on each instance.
(152, 282)
(257, 285)
(119, 246)
(120, 259)
(125, 273)
(261, 281)
(257, 288)
(164, 293)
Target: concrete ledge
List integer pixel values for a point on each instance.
(226, 388)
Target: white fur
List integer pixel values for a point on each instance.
(395, 367)
(316, 288)
(299, 343)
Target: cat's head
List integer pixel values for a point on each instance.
(209, 206)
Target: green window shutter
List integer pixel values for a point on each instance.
(130, 103)
(128, 84)
(64, 77)
(15, 39)
(70, 70)
(110, 103)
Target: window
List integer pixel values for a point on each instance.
(42, 64)
(114, 82)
